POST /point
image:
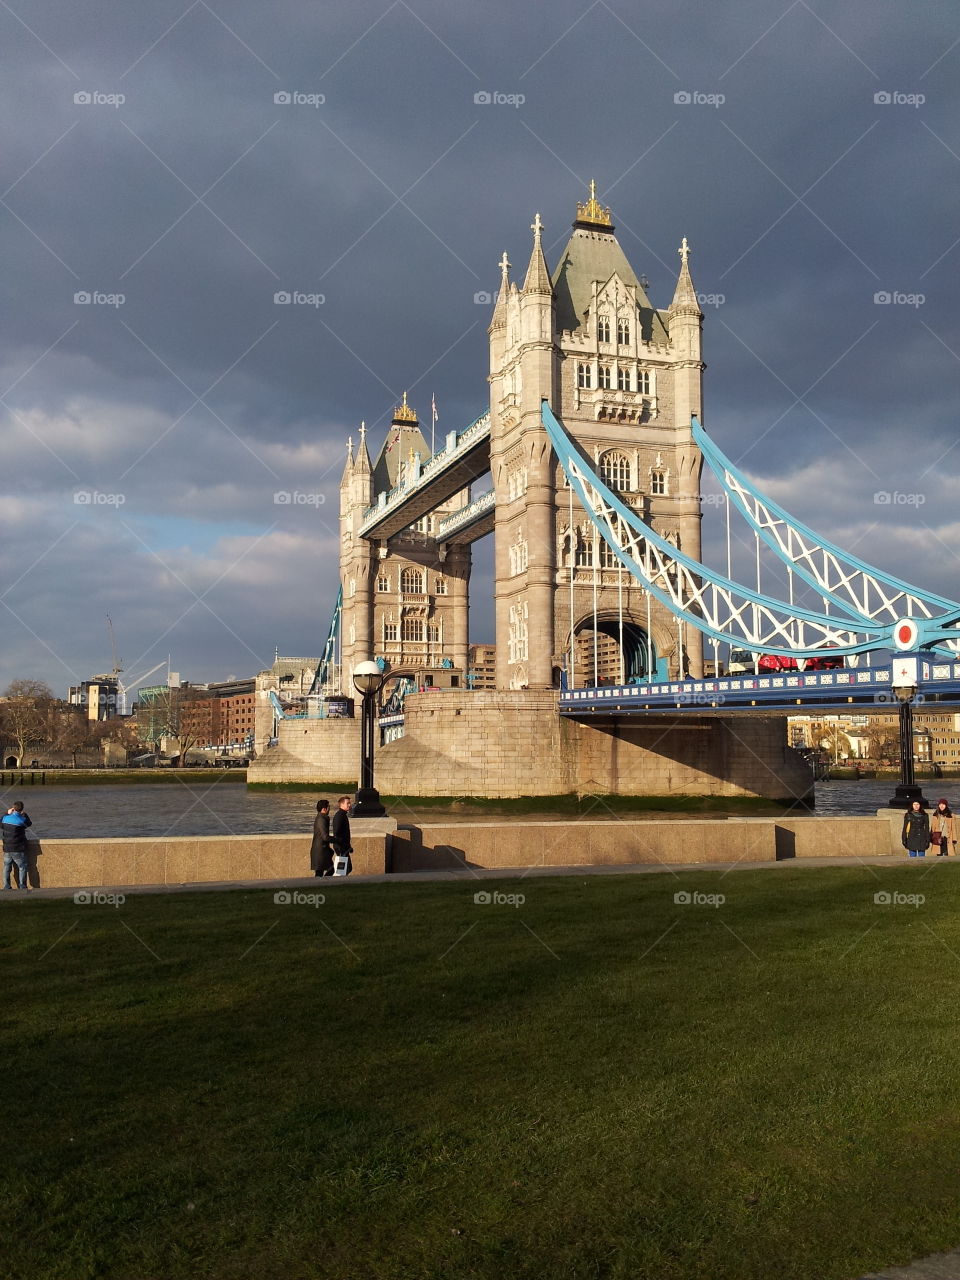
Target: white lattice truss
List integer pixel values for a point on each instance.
(714, 604)
(841, 578)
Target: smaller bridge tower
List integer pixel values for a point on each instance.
(405, 599)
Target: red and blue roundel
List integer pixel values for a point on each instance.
(906, 634)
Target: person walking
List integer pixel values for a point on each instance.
(14, 824)
(915, 836)
(943, 824)
(321, 854)
(340, 830)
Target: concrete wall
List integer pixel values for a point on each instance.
(496, 743)
(186, 860)
(589, 842)
(453, 846)
(311, 751)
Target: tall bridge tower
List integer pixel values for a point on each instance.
(624, 378)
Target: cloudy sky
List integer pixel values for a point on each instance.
(168, 168)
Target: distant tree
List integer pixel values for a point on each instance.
(71, 730)
(26, 717)
(162, 717)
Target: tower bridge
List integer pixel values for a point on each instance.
(594, 449)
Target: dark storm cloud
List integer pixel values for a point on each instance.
(752, 129)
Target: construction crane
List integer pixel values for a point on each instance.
(117, 662)
(123, 688)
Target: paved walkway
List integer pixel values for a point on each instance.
(942, 1266)
(471, 874)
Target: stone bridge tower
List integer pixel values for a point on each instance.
(405, 599)
(624, 379)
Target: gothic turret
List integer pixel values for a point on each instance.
(685, 296)
(537, 279)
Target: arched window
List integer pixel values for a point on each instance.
(615, 470)
(603, 328)
(605, 376)
(583, 376)
(658, 483)
(623, 332)
(383, 582)
(623, 379)
(643, 381)
(441, 587)
(411, 582)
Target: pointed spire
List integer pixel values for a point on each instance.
(348, 465)
(499, 319)
(685, 296)
(362, 464)
(537, 279)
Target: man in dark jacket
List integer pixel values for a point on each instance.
(14, 824)
(340, 830)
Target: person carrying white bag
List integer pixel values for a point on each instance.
(340, 836)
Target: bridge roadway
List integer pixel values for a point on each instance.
(464, 458)
(869, 689)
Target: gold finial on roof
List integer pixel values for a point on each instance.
(592, 211)
(403, 412)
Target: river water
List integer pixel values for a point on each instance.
(225, 807)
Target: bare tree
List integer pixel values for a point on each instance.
(163, 717)
(25, 716)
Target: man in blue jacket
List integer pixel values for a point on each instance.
(14, 824)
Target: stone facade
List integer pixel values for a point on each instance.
(405, 599)
(624, 379)
(501, 743)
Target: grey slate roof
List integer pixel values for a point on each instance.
(396, 449)
(596, 255)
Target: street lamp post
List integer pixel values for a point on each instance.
(367, 680)
(905, 681)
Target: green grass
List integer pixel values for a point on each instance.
(598, 1084)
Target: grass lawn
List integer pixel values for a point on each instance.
(598, 1084)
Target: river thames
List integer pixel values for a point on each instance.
(227, 808)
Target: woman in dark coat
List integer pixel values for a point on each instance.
(915, 836)
(321, 855)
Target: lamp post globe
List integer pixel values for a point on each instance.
(367, 679)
